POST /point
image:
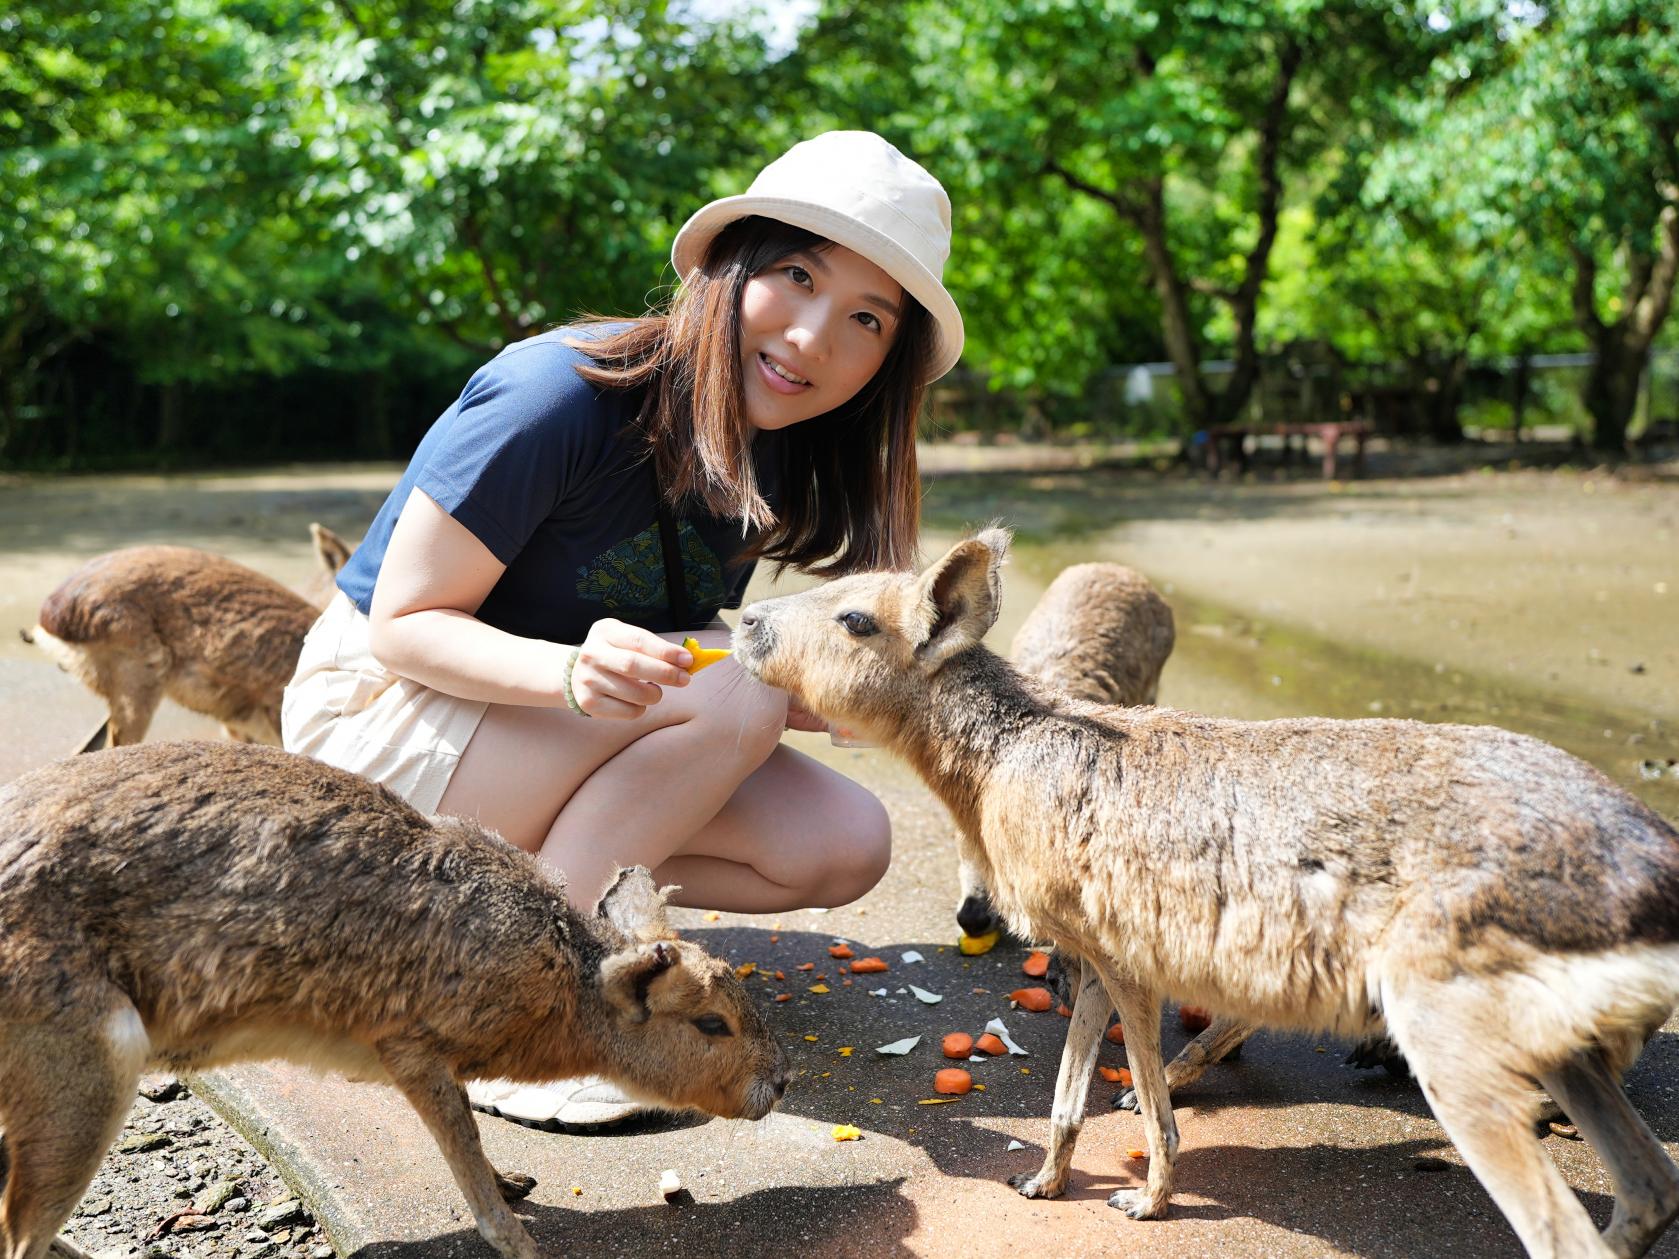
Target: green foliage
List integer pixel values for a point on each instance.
(358, 200)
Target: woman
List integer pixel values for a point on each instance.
(506, 645)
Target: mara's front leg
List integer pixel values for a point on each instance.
(1091, 1008)
(1140, 1009)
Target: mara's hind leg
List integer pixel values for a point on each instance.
(1645, 1179)
(1091, 1008)
(67, 1091)
(1453, 1036)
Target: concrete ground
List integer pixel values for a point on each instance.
(1285, 1152)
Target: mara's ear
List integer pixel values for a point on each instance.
(960, 597)
(635, 905)
(626, 976)
(332, 551)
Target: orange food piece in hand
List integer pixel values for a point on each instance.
(1036, 1000)
(1194, 1018)
(703, 656)
(868, 966)
(952, 1080)
(1036, 964)
(991, 1044)
(839, 950)
(958, 1045)
(1116, 1033)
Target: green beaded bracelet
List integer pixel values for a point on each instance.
(570, 699)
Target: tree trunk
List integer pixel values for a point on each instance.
(1611, 392)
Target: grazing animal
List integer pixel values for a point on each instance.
(1503, 911)
(192, 904)
(146, 622)
(1100, 632)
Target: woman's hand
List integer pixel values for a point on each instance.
(801, 718)
(621, 670)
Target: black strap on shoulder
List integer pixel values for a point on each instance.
(676, 588)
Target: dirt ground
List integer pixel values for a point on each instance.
(1540, 600)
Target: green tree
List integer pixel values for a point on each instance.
(1577, 135)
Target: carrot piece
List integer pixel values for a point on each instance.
(990, 1044)
(781, 974)
(868, 966)
(1110, 1074)
(783, 996)
(1036, 964)
(703, 656)
(1036, 1000)
(1065, 1012)
(807, 966)
(841, 951)
(958, 1045)
(1194, 1018)
(1136, 1154)
(845, 970)
(952, 1080)
(1116, 1033)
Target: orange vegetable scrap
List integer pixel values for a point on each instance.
(783, 996)
(1136, 1154)
(845, 983)
(868, 966)
(1194, 1018)
(1036, 964)
(989, 1044)
(845, 970)
(781, 974)
(745, 969)
(703, 656)
(1116, 1034)
(958, 1045)
(839, 950)
(1115, 1075)
(807, 966)
(952, 1080)
(1036, 1000)
(775, 939)
(1064, 1011)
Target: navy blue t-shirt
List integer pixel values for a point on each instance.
(548, 471)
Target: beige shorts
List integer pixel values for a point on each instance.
(345, 708)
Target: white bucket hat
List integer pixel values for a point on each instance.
(855, 189)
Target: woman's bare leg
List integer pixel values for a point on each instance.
(698, 789)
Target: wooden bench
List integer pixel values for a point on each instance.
(1228, 443)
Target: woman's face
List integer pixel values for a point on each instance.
(814, 329)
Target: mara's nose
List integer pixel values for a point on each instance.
(780, 1083)
(750, 617)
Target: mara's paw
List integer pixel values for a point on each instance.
(514, 1185)
(1125, 1099)
(1036, 1185)
(1137, 1204)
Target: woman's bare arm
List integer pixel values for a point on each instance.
(435, 575)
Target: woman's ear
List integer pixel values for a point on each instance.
(960, 597)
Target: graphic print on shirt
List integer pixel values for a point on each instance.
(631, 574)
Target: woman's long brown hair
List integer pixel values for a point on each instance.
(849, 487)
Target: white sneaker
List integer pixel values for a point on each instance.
(586, 1103)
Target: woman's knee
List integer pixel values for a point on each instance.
(746, 720)
(856, 855)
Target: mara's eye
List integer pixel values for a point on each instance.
(713, 1025)
(860, 624)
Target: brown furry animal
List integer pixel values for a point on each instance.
(221, 639)
(1100, 632)
(193, 904)
(1501, 909)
